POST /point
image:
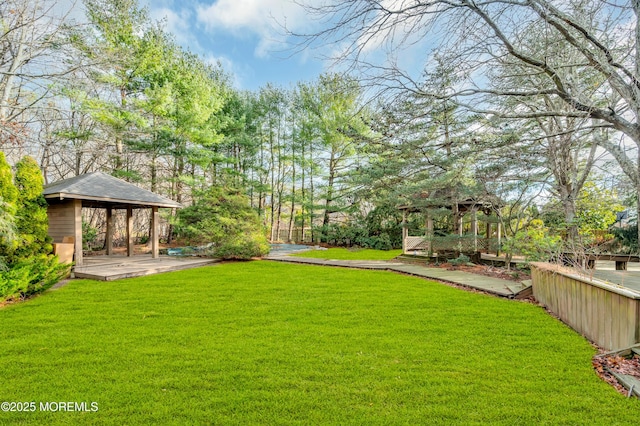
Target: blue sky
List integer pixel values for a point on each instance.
(244, 35)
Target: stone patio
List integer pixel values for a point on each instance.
(107, 268)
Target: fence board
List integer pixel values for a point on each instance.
(605, 314)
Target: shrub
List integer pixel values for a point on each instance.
(534, 243)
(32, 223)
(31, 276)
(89, 235)
(461, 260)
(8, 197)
(223, 216)
(626, 239)
(381, 229)
(26, 267)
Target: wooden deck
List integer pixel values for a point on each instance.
(108, 268)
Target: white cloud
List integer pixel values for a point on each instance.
(263, 18)
(176, 23)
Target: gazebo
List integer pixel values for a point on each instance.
(426, 205)
(67, 197)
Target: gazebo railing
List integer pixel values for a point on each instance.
(455, 243)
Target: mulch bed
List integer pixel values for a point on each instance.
(516, 275)
(619, 364)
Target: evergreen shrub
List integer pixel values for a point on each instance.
(224, 217)
(26, 265)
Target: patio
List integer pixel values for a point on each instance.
(108, 268)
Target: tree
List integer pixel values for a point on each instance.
(224, 217)
(596, 209)
(427, 156)
(8, 198)
(30, 32)
(32, 223)
(337, 117)
(117, 54)
(8, 192)
(481, 36)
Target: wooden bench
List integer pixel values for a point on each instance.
(589, 260)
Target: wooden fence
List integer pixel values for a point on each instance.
(607, 315)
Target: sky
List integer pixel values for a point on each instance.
(245, 36)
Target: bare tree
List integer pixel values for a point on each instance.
(599, 44)
(30, 34)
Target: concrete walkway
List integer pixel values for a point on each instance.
(497, 286)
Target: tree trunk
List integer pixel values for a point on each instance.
(273, 182)
(293, 191)
(17, 60)
(303, 195)
(569, 207)
(638, 213)
(329, 201)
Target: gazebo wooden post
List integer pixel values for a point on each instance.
(454, 217)
(474, 228)
(154, 232)
(488, 235)
(77, 233)
(499, 232)
(130, 247)
(429, 233)
(109, 236)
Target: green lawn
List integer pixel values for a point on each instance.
(346, 254)
(273, 343)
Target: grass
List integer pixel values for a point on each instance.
(349, 254)
(272, 343)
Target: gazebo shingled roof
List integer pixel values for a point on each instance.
(99, 189)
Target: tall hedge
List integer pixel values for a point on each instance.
(26, 265)
(8, 197)
(8, 191)
(32, 222)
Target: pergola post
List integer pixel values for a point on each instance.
(109, 236)
(154, 232)
(130, 246)
(77, 231)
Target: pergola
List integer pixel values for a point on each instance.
(67, 197)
